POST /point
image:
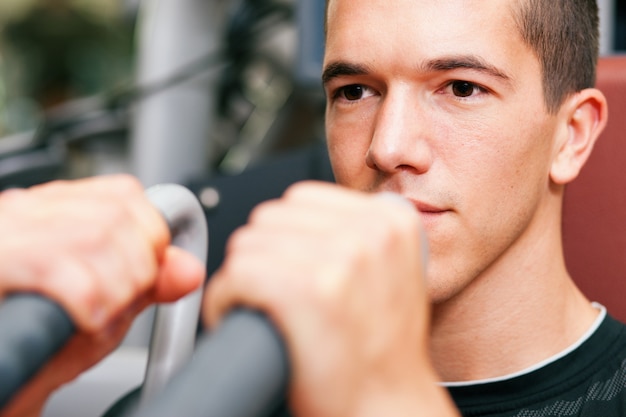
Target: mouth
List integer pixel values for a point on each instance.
(428, 212)
(425, 208)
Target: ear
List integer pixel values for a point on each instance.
(585, 114)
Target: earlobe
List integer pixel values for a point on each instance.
(586, 116)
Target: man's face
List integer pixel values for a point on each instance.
(442, 102)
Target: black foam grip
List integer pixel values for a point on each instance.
(241, 369)
(32, 330)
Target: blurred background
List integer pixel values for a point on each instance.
(57, 50)
(166, 90)
(223, 96)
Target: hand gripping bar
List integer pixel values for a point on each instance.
(33, 328)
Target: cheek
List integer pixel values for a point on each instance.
(348, 142)
(497, 152)
(500, 178)
(503, 178)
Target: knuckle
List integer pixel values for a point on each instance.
(55, 188)
(126, 184)
(395, 223)
(125, 295)
(146, 271)
(228, 267)
(84, 292)
(93, 240)
(111, 214)
(297, 189)
(262, 211)
(13, 197)
(232, 265)
(236, 241)
(52, 184)
(86, 289)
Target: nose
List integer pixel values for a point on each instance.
(400, 139)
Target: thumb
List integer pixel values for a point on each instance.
(180, 273)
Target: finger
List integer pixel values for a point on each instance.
(91, 314)
(118, 259)
(224, 289)
(94, 269)
(294, 215)
(257, 279)
(310, 206)
(123, 269)
(122, 190)
(128, 190)
(224, 292)
(180, 273)
(321, 194)
(151, 222)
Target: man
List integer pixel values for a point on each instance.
(459, 107)
(478, 113)
(100, 249)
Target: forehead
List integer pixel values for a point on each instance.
(422, 29)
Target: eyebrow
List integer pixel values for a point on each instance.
(340, 69)
(472, 62)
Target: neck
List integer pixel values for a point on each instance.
(524, 309)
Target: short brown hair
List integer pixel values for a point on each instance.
(564, 35)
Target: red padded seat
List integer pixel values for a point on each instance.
(594, 222)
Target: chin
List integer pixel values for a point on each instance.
(439, 296)
(442, 287)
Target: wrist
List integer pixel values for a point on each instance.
(22, 410)
(411, 398)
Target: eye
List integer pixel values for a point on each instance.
(353, 92)
(463, 88)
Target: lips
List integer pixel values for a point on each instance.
(426, 208)
(430, 214)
